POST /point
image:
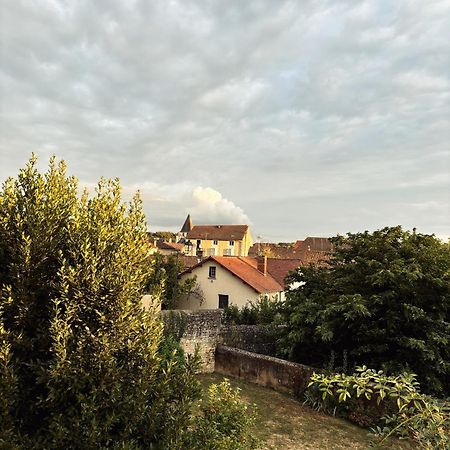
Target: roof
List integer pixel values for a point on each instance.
(315, 258)
(272, 250)
(188, 261)
(280, 268)
(176, 246)
(218, 232)
(245, 271)
(318, 244)
(187, 226)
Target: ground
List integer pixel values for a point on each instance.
(284, 423)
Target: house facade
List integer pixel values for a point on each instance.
(219, 240)
(226, 281)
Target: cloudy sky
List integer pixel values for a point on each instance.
(298, 117)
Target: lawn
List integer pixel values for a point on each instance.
(286, 424)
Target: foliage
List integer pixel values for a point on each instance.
(265, 311)
(82, 364)
(391, 404)
(224, 422)
(166, 285)
(165, 235)
(383, 298)
(168, 420)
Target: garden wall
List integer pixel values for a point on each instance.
(262, 370)
(253, 338)
(196, 328)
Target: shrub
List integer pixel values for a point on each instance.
(392, 405)
(224, 421)
(265, 311)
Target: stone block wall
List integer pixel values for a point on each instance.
(263, 370)
(196, 329)
(253, 338)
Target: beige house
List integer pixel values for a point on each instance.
(228, 281)
(219, 240)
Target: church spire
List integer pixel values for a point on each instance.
(187, 226)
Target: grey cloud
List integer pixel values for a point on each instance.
(263, 101)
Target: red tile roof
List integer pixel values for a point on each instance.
(218, 232)
(170, 245)
(246, 272)
(188, 261)
(280, 268)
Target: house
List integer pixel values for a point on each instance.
(314, 244)
(169, 248)
(215, 240)
(226, 280)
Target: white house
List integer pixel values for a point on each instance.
(227, 280)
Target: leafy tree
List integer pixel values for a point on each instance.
(166, 285)
(383, 299)
(82, 364)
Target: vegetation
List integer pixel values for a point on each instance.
(165, 235)
(82, 364)
(232, 430)
(383, 300)
(264, 311)
(390, 404)
(165, 283)
(285, 423)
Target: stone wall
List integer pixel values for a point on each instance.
(253, 338)
(263, 370)
(196, 328)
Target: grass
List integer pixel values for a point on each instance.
(286, 424)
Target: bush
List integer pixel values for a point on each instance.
(264, 311)
(224, 421)
(392, 405)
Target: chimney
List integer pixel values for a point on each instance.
(262, 264)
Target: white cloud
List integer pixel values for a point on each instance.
(209, 206)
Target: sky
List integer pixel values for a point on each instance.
(300, 118)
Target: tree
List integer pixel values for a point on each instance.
(82, 364)
(166, 284)
(382, 300)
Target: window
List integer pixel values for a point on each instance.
(231, 242)
(215, 242)
(223, 301)
(227, 252)
(212, 252)
(199, 243)
(212, 272)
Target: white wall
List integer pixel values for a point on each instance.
(238, 292)
(225, 283)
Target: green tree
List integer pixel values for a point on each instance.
(82, 364)
(383, 300)
(76, 341)
(166, 284)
